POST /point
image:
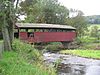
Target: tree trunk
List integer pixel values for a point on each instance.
(7, 44)
(5, 33)
(11, 32)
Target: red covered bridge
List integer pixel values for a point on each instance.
(38, 33)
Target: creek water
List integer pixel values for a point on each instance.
(73, 65)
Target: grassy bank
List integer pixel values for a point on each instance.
(24, 60)
(14, 64)
(83, 53)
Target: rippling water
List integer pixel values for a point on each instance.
(73, 65)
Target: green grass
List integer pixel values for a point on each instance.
(14, 64)
(24, 60)
(92, 25)
(83, 53)
(90, 46)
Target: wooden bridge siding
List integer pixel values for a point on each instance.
(54, 36)
(48, 36)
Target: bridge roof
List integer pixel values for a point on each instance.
(39, 25)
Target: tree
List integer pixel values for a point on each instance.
(55, 13)
(44, 11)
(78, 21)
(7, 22)
(94, 31)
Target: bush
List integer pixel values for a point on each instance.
(87, 39)
(90, 46)
(26, 50)
(54, 46)
(87, 42)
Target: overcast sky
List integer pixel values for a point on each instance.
(89, 7)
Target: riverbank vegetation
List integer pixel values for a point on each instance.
(83, 53)
(24, 60)
(89, 44)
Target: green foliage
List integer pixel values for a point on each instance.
(94, 31)
(7, 10)
(14, 64)
(78, 21)
(93, 46)
(26, 50)
(44, 11)
(87, 42)
(57, 63)
(24, 60)
(55, 46)
(84, 53)
(92, 35)
(87, 39)
(7, 21)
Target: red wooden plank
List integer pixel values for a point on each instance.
(23, 36)
(54, 36)
(48, 36)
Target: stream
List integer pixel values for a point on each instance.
(73, 65)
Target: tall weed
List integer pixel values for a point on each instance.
(26, 50)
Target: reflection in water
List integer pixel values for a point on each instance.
(93, 70)
(73, 65)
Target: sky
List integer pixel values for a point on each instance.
(88, 7)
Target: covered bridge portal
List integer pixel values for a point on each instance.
(30, 32)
